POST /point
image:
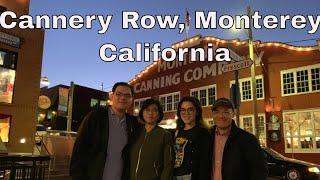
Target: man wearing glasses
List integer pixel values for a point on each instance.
(101, 149)
(236, 153)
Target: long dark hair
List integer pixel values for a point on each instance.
(196, 104)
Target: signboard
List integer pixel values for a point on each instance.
(9, 40)
(63, 101)
(44, 102)
(236, 65)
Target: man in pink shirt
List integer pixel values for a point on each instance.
(236, 153)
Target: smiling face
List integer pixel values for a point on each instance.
(188, 113)
(151, 114)
(121, 98)
(222, 117)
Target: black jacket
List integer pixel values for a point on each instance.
(242, 156)
(90, 148)
(201, 151)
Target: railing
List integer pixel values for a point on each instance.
(32, 167)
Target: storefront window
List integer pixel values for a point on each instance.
(301, 130)
(4, 127)
(7, 75)
(247, 123)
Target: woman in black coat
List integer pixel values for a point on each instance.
(192, 143)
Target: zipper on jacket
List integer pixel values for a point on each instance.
(155, 168)
(139, 156)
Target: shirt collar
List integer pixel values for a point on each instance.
(116, 117)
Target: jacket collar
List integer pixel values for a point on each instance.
(233, 132)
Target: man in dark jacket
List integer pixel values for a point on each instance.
(101, 151)
(236, 153)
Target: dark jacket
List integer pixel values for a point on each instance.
(201, 150)
(242, 156)
(152, 156)
(90, 148)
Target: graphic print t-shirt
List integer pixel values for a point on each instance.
(183, 149)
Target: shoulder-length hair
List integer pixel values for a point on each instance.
(196, 104)
(149, 102)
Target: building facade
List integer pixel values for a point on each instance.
(83, 100)
(287, 91)
(20, 69)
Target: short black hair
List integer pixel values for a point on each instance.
(122, 84)
(196, 104)
(149, 102)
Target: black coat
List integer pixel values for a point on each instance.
(201, 151)
(90, 148)
(242, 156)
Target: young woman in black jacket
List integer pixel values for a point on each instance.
(192, 142)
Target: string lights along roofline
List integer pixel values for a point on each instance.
(198, 38)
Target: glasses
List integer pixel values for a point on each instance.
(186, 111)
(119, 94)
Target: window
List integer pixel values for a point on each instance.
(288, 83)
(315, 79)
(138, 104)
(103, 103)
(163, 102)
(257, 128)
(169, 102)
(302, 131)
(8, 61)
(259, 88)
(206, 95)
(94, 102)
(246, 90)
(176, 99)
(300, 80)
(4, 127)
(245, 87)
(247, 124)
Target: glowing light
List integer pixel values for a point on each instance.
(23, 140)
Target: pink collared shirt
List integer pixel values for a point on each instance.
(219, 143)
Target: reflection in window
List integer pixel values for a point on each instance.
(259, 128)
(303, 129)
(7, 77)
(247, 124)
(4, 127)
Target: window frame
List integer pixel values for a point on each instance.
(172, 103)
(294, 71)
(10, 69)
(254, 124)
(198, 89)
(299, 149)
(251, 90)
